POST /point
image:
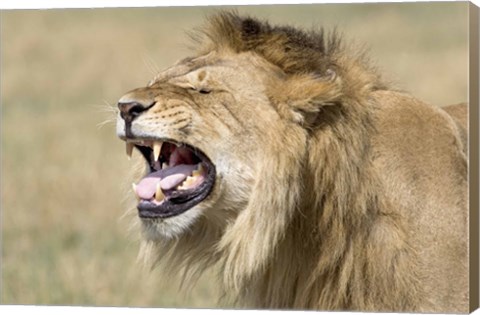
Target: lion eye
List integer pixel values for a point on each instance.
(200, 90)
(204, 91)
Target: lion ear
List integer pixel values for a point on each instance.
(300, 97)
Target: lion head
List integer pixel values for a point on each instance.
(259, 158)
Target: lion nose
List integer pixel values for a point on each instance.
(129, 111)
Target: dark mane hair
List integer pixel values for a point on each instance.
(295, 51)
(291, 49)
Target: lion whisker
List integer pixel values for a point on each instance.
(150, 64)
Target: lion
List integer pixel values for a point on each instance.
(281, 157)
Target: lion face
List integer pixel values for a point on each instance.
(196, 126)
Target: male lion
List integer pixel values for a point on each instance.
(281, 157)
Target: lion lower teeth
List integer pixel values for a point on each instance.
(199, 171)
(159, 196)
(134, 186)
(188, 182)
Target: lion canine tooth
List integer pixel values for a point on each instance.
(129, 150)
(157, 148)
(135, 191)
(159, 196)
(164, 165)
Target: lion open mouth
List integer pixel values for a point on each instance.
(179, 177)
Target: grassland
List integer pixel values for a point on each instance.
(63, 191)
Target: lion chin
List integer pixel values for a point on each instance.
(283, 159)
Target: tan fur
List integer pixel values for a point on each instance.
(333, 191)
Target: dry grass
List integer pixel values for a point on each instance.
(63, 189)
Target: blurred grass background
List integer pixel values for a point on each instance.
(63, 180)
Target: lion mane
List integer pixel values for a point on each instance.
(360, 197)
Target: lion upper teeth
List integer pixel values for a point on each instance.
(129, 150)
(157, 148)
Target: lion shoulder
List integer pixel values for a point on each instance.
(421, 162)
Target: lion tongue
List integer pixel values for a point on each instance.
(168, 178)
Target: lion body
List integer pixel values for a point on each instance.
(415, 144)
(333, 191)
(413, 254)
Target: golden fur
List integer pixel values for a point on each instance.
(333, 191)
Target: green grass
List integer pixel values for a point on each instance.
(63, 182)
